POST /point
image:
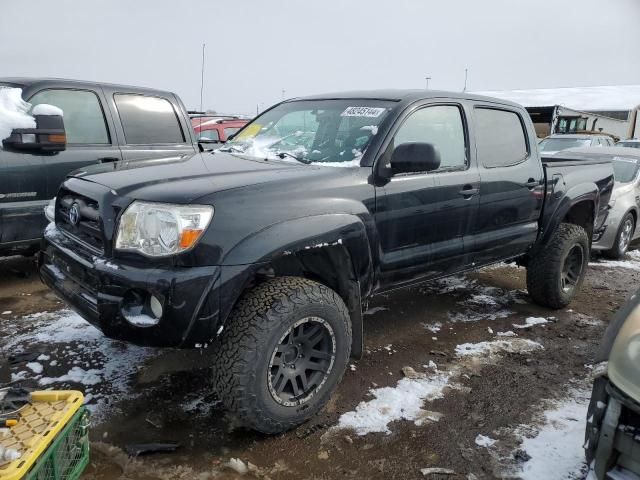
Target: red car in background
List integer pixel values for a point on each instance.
(216, 129)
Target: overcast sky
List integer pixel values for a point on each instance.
(257, 48)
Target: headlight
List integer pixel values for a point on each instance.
(161, 229)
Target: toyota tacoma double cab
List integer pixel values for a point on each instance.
(265, 251)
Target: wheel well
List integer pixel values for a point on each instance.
(330, 266)
(581, 214)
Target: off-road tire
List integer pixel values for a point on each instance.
(616, 252)
(545, 268)
(245, 347)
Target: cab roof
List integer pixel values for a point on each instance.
(406, 96)
(26, 82)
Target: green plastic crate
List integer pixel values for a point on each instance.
(68, 454)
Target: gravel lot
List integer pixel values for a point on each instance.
(462, 374)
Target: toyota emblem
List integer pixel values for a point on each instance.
(74, 214)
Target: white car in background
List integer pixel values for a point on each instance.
(631, 143)
(563, 141)
(620, 227)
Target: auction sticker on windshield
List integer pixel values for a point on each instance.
(372, 112)
(249, 132)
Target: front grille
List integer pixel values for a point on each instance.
(79, 217)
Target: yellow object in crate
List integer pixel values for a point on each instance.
(38, 425)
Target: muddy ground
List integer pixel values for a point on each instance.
(499, 390)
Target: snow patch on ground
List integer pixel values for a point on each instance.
(433, 327)
(531, 321)
(80, 355)
(402, 402)
(496, 347)
(483, 441)
(556, 450)
(632, 262)
(479, 302)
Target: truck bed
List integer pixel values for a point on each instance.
(583, 176)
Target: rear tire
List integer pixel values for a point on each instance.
(556, 273)
(283, 352)
(623, 237)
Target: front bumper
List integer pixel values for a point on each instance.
(96, 289)
(613, 432)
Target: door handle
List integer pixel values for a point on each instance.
(531, 184)
(108, 159)
(468, 191)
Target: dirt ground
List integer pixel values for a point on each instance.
(499, 390)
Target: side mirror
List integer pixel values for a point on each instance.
(49, 136)
(415, 157)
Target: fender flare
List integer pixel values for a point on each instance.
(585, 192)
(340, 232)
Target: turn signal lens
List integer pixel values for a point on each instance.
(57, 138)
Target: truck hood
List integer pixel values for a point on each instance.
(186, 178)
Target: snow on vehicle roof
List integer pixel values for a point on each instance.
(613, 97)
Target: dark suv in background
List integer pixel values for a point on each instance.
(103, 123)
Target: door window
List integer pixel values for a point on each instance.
(440, 125)
(148, 120)
(83, 116)
(500, 138)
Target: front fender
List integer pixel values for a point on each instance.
(306, 233)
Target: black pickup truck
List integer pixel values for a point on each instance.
(102, 123)
(266, 251)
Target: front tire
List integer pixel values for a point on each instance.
(283, 352)
(623, 237)
(556, 273)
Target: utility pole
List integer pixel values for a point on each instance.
(465, 79)
(427, 79)
(283, 92)
(202, 77)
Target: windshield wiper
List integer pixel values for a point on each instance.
(230, 149)
(291, 155)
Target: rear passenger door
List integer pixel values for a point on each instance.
(88, 129)
(150, 126)
(511, 184)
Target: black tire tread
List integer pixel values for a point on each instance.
(541, 271)
(257, 313)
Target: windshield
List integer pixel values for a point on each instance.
(628, 144)
(557, 144)
(328, 132)
(624, 169)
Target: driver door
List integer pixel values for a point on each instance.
(422, 218)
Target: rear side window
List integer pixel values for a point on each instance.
(500, 138)
(83, 117)
(148, 120)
